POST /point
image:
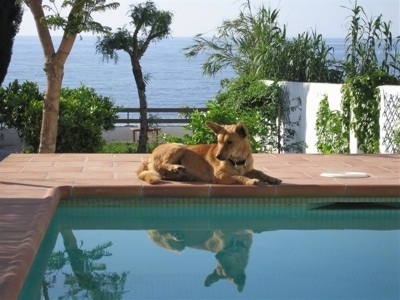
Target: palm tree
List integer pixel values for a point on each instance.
(238, 43)
(150, 24)
(255, 43)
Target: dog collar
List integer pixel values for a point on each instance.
(237, 163)
(238, 243)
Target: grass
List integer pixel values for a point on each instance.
(125, 147)
(119, 147)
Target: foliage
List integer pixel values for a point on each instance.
(370, 45)
(119, 147)
(79, 19)
(250, 100)
(306, 58)
(216, 113)
(361, 97)
(331, 136)
(88, 279)
(396, 137)
(250, 96)
(371, 60)
(21, 107)
(10, 19)
(255, 43)
(83, 116)
(150, 25)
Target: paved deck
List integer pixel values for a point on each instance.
(32, 184)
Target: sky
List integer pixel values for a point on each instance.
(191, 17)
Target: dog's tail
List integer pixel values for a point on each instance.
(150, 176)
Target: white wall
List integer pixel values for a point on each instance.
(312, 93)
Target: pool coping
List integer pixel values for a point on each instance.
(31, 186)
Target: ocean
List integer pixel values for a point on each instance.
(175, 81)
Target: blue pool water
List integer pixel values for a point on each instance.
(219, 251)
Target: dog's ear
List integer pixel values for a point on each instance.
(241, 129)
(216, 128)
(240, 281)
(213, 277)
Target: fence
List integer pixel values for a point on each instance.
(389, 118)
(170, 115)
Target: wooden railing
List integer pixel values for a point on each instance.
(160, 117)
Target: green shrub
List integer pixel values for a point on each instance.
(83, 116)
(15, 104)
(361, 97)
(119, 147)
(331, 136)
(219, 114)
(21, 108)
(126, 147)
(396, 140)
(247, 99)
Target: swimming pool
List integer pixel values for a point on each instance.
(186, 249)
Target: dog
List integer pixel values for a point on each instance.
(231, 248)
(229, 161)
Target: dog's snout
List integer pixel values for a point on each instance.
(219, 156)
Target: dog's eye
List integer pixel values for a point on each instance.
(229, 142)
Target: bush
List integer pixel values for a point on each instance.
(119, 147)
(21, 108)
(83, 116)
(247, 99)
(361, 97)
(219, 114)
(332, 137)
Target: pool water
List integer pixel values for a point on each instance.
(201, 251)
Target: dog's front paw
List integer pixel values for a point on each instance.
(273, 180)
(254, 181)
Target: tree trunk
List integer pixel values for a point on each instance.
(48, 133)
(141, 87)
(54, 69)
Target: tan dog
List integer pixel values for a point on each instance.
(228, 162)
(231, 247)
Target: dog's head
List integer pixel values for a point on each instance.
(231, 265)
(232, 141)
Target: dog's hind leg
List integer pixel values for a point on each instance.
(170, 160)
(150, 176)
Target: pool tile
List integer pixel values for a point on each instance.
(373, 190)
(179, 190)
(299, 190)
(104, 191)
(240, 191)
